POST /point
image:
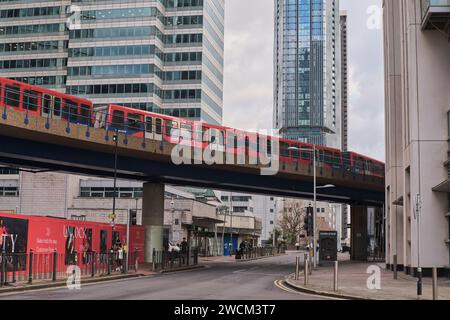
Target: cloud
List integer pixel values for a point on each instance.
(248, 78)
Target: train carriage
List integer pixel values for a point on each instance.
(39, 101)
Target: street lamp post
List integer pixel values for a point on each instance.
(115, 139)
(315, 187)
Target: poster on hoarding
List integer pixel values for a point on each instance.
(13, 240)
(103, 245)
(87, 246)
(69, 254)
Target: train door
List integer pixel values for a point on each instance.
(149, 130)
(47, 106)
(57, 107)
(158, 129)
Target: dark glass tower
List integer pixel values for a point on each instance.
(306, 70)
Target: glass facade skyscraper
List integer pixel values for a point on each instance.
(158, 55)
(307, 83)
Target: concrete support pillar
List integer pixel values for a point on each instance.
(359, 237)
(153, 218)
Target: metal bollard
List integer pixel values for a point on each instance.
(395, 267)
(3, 271)
(310, 261)
(55, 258)
(435, 284)
(93, 264)
(297, 263)
(306, 279)
(335, 282)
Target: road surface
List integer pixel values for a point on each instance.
(252, 280)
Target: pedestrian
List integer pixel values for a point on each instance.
(119, 254)
(184, 250)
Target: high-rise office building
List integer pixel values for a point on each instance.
(345, 218)
(307, 77)
(417, 105)
(158, 55)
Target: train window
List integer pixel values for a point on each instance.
(205, 134)
(118, 119)
(134, 121)
(284, 149)
(46, 104)
(149, 124)
(57, 107)
(307, 155)
(328, 157)
(158, 126)
(12, 96)
(70, 110)
(30, 100)
(171, 125)
(175, 129)
(269, 147)
(295, 153)
(222, 138)
(187, 128)
(85, 114)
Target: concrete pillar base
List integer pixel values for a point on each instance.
(153, 240)
(153, 218)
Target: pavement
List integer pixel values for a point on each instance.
(353, 283)
(222, 279)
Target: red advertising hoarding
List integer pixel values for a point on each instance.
(22, 233)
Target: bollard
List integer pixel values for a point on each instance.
(2, 278)
(30, 268)
(14, 261)
(136, 261)
(297, 262)
(335, 282)
(395, 267)
(310, 260)
(419, 282)
(154, 259)
(110, 261)
(54, 265)
(93, 264)
(306, 279)
(435, 284)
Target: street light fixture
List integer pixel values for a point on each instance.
(315, 198)
(115, 138)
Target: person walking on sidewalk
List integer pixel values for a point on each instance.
(184, 250)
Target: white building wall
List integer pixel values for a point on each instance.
(424, 71)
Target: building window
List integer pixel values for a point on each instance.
(271, 221)
(5, 170)
(102, 192)
(9, 191)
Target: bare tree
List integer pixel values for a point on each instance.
(291, 221)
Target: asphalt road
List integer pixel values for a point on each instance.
(252, 280)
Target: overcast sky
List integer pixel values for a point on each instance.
(248, 83)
